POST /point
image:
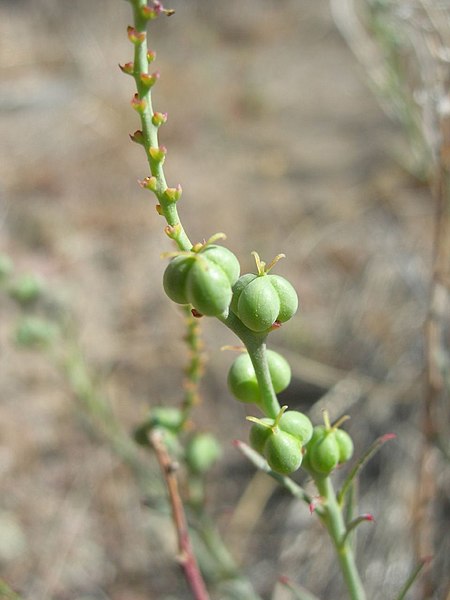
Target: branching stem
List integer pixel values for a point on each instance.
(333, 519)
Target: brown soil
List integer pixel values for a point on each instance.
(277, 141)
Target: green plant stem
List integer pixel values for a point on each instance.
(150, 131)
(255, 343)
(257, 350)
(333, 519)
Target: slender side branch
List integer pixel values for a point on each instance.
(187, 557)
(334, 522)
(150, 122)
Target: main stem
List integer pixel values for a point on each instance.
(254, 342)
(334, 522)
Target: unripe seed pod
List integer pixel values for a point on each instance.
(242, 380)
(260, 300)
(287, 295)
(208, 288)
(345, 444)
(283, 452)
(202, 278)
(202, 452)
(324, 454)
(175, 278)
(297, 424)
(168, 417)
(224, 259)
(259, 434)
(258, 305)
(238, 288)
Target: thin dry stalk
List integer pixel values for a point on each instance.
(186, 554)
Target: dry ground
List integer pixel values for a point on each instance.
(277, 141)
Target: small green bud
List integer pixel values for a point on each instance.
(148, 79)
(27, 289)
(149, 13)
(127, 68)
(151, 56)
(138, 104)
(173, 232)
(136, 37)
(159, 119)
(33, 331)
(158, 154)
(148, 183)
(202, 452)
(173, 194)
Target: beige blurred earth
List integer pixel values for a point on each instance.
(277, 141)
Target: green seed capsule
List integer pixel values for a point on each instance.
(297, 424)
(324, 454)
(168, 417)
(238, 288)
(225, 259)
(345, 444)
(175, 278)
(203, 278)
(287, 295)
(259, 434)
(242, 380)
(283, 452)
(202, 452)
(260, 300)
(208, 288)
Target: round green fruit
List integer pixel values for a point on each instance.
(283, 452)
(260, 300)
(323, 451)
(203, 279)
(242, 380)
(175, 278)
(223, 258)
(345, 444)
(202, 452)
(297, 424)
(208, 288)
(168, 417)
(259, 434)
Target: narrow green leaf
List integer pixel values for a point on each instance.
(412, 578)
(372, 450)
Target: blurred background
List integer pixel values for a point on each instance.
(286, 140)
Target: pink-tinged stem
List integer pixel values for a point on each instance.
(186, 554)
